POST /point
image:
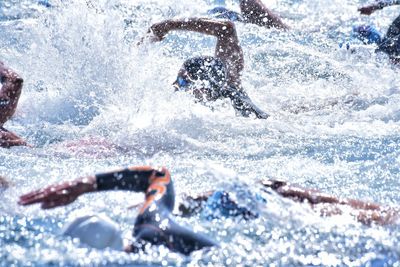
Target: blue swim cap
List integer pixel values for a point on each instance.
(220, 204)
(224, 13)
(367, 34)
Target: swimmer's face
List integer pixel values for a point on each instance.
(197, 87)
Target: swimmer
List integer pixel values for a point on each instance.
(211, 78)
(390, 44)
(252, 11)
(153, 225)
(9, 96)
(220, 203)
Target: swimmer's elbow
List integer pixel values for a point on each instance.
(228, 28)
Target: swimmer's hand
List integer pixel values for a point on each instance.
(156, 33)
(159, 30)
(9, 139)
(59, 195)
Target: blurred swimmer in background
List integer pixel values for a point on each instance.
(390, 43)
(155, 225)
(210, 78)
(9, 96)
(251, 11)
(241, 200)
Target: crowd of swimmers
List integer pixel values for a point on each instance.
(207, 78)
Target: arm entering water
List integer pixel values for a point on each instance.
(227, 49)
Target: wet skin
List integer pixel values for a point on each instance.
(9, 96)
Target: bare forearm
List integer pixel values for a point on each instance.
(316, 197)
(299, 194)
(219, 29)
(254, 11)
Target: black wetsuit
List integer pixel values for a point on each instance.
(242, 103)
(213, 71)
(154, 223)
(391, 42)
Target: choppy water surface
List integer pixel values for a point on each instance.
(334, 126)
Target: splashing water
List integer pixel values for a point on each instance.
(94, 100)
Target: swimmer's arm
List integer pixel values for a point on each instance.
(12, 82)
(314, 196)
(219, 29)
(136, 179)
(254, 11)
(60, 194)
(133, 178)
(243, 104)
(227, 49)
(369, 9)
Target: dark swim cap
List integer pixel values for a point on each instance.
(209, 69)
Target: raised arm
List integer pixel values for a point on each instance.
(227, 48)
(371, 8)
(254, 11)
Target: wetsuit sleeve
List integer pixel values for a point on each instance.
(175, 237)
(390, 43)
(242, 103)
(134, 179)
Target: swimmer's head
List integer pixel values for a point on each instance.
(223, 13)
(222, 204)
(203, 76)
(367, 34)
(97, 231)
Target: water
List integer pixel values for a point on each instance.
(334, 126)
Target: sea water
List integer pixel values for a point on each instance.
(94, 100)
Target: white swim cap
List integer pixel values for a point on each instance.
(97, 231)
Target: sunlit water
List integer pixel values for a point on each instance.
(93, 100)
